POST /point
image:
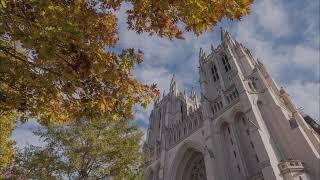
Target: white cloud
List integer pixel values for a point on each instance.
(150, 74)
(306, 95)
(306, 57)
(271, 16)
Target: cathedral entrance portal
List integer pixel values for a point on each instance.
(192, 166)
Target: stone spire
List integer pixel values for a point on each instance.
(193, 95)
(201, 56)
(157, 100)
(222, 33)
(212, 47)
(201, 53)
(173, 85)
(225, 36)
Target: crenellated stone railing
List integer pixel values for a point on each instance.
(290, 166)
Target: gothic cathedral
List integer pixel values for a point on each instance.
(243, 127)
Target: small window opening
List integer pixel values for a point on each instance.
(250, 86)
(252, 145)
(226, 63)
(228, 130)
(244, 121)
(215, 74)
(238, 168)
(235, 154)
(254, 85)
(248, 132)
(212, 110)
(237, 93)
(231, 141)
(257, 158)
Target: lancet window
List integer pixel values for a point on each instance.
(215, 74)
(226, 63)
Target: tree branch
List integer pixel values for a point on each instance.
(7, 51)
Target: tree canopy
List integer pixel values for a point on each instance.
(98, 149)
(56, 58)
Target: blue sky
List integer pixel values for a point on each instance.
(284, 35)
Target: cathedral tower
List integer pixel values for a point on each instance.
(244, 126)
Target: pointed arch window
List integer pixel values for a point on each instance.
(198, 170)
(226, 63)
(215, 74)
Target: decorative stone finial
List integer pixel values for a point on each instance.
(282, 91)
(221, 33)
(192, 92)
(157, 100)
(173, 85)
(200, 53)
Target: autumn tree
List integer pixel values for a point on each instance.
(6, 126)
(57, 63)
(98, 149)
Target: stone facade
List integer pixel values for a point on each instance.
(244, 126)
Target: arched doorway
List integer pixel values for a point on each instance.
(192, 166)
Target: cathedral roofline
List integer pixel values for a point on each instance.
(175, 92)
